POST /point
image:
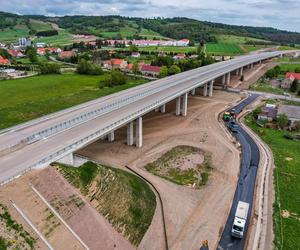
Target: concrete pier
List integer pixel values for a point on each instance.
(139, 132)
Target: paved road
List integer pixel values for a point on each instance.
(116, 111)
(246, 183)
(274, 96)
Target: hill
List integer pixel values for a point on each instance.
(13, 26)
(176, 28)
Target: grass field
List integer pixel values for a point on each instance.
(63, 38)
(289, 67)
(237, 39)
(167, 167)
(265, 86)
(129, 205)
(13, 34)
(287, 182)
(28, 98)
(223, 49)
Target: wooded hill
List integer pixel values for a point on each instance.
(130, 27)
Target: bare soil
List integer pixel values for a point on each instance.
(90, 226)
(22, 194)
(191, 215)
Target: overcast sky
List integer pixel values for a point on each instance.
(282, 14)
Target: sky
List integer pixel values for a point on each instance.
(282, 14)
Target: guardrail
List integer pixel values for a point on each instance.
(103, 110)
(103, 131)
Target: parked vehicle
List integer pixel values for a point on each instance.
(233, 126)
(240, 219)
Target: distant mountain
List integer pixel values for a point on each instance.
(129, 27)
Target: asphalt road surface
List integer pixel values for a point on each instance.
(246, 183)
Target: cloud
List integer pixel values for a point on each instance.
(283, 14)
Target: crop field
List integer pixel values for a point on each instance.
(286, 214)
(223, 49)
(28, 98)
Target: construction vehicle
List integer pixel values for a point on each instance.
(226, 116)
(240, 219)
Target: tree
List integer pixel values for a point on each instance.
(163, 71)
(5, 54)
(297, 126)
(133, 48)
(242, 78)
(114, 79)
(32, 55)
(135, 68)
(87, 68)
(298, 92)
(294, 86)
(49, 68)
(282, 120)
(297, 70)
(174, 69)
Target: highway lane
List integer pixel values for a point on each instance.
(15, 134)
(246, 183)
(19, 160)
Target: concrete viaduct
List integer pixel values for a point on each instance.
(55, 137)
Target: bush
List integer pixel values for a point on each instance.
(49, 68)
(114, 79)
(174, 69)
(298, 92)
(294, 86)
(87, 68)
(273, 73)
(282, 120)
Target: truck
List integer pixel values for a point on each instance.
(240, 219)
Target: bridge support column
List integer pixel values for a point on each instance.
(205, 89)
(227, 80)
(185, 102)
(241, 71)
(139, 132)
(251, 66)
(68, 159)
(193, 92)
(163, 108)
(111, 136)
(130, 134)
(211, 87)
(156, 110)
(178, 105)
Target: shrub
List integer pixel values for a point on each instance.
(114, 79)
(49, 68)
(174, 69)
(294, 86)
(282, 120)
(87, 68)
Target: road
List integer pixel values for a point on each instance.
(246, 182)
(74, 128)
(288, 97)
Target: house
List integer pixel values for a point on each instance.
(289, 78)
(268, 113)
(67, 54)
(41, 51)
(179, 57)
(113, 64)
(41, 45)
(149, 70)
(11, 73)
(135, 54)
(15, 53)
(4, 61)
(182, 42)
(292, 112)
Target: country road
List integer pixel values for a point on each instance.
(246, 182)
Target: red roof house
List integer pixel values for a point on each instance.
(4, 61)
(15, 53)
(292, 76)
(150, 70)
(67, 54)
